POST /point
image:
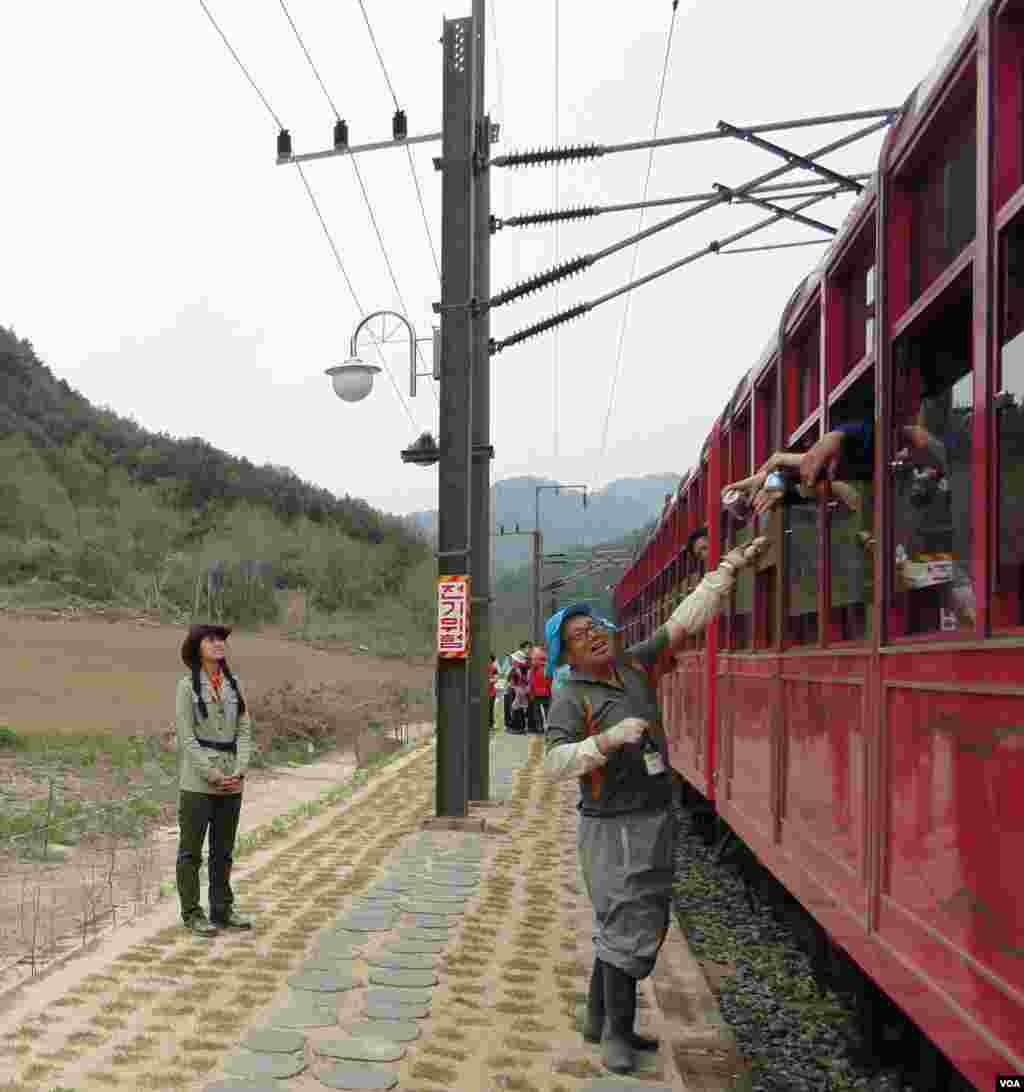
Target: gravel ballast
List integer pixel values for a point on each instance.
(794, 1036)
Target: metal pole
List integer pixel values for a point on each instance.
(457, 279)
(888, 112)
(538, 561)
(480, 712)
(377, 146)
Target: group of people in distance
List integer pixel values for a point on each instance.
(528, 688)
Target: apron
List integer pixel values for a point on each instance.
(627, 867)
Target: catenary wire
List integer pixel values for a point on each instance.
(312, 198)
(359, 176)
(624, 323)
(238, 61)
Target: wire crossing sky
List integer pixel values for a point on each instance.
(187, 264)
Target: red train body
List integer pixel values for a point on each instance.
(857, 713)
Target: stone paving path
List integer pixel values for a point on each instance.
(384, 957)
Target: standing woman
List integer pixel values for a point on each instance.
(214, 741)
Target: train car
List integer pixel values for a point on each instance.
(856, 715)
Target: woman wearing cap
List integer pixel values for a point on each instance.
(604, 729)
(214, 738)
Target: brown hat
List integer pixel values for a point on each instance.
(190, 648)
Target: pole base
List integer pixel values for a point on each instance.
(454, 822)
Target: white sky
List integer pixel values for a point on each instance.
(160, 261)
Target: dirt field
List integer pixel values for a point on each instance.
(96, 676)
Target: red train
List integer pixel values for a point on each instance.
(857, 713)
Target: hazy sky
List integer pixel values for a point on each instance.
(160, 261)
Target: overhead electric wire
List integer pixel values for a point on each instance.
(408, 151)
(312, 197)
(355, 298)
(581, 309)
(623, 325)
(238, 61)
(359, 177)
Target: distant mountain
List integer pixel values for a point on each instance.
(620, 508)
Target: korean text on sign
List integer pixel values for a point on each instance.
(453, 617)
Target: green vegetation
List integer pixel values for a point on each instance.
(94, 509)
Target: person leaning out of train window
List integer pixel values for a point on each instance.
(214, 745)
(604, 729)
(792, 476)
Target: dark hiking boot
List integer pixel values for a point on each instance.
(619, 1008)
(197, 923)
(233, 920)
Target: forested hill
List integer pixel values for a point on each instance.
(95, 507)
(192, 472)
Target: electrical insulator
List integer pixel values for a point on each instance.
(284, 144)
(399, 125)
(341, 134)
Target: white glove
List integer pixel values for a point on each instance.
(703, 604)
(573, 759)
(629, 730)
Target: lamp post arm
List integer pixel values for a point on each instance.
(412, 342)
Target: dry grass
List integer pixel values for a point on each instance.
(444, 1052)
(432, 1071)
(578, 1067)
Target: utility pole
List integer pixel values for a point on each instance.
(464, 531)
(458, 342)
(538, 562)
(480, 712)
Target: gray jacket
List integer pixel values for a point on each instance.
(584, 706)
(196, 763)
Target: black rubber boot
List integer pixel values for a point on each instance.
(619, 1010)
(594, 1025)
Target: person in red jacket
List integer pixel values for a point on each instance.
(540, 691)
(492, 683)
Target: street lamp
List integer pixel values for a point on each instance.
(353, 380)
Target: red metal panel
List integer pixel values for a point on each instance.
(748, 699)
(823, 786)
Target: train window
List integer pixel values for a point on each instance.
(805, 378)
(800, 527)
(1009, 100)
(850, 512)
(742, 622)
(930, 473)
(943, 199)
(858, 314)
(1008, 606)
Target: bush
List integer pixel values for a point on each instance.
(9, 740)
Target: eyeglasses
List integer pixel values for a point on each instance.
(585, 632)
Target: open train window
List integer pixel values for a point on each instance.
(930, 473)
(850, 515)
(1008, 404)
(800, 526)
